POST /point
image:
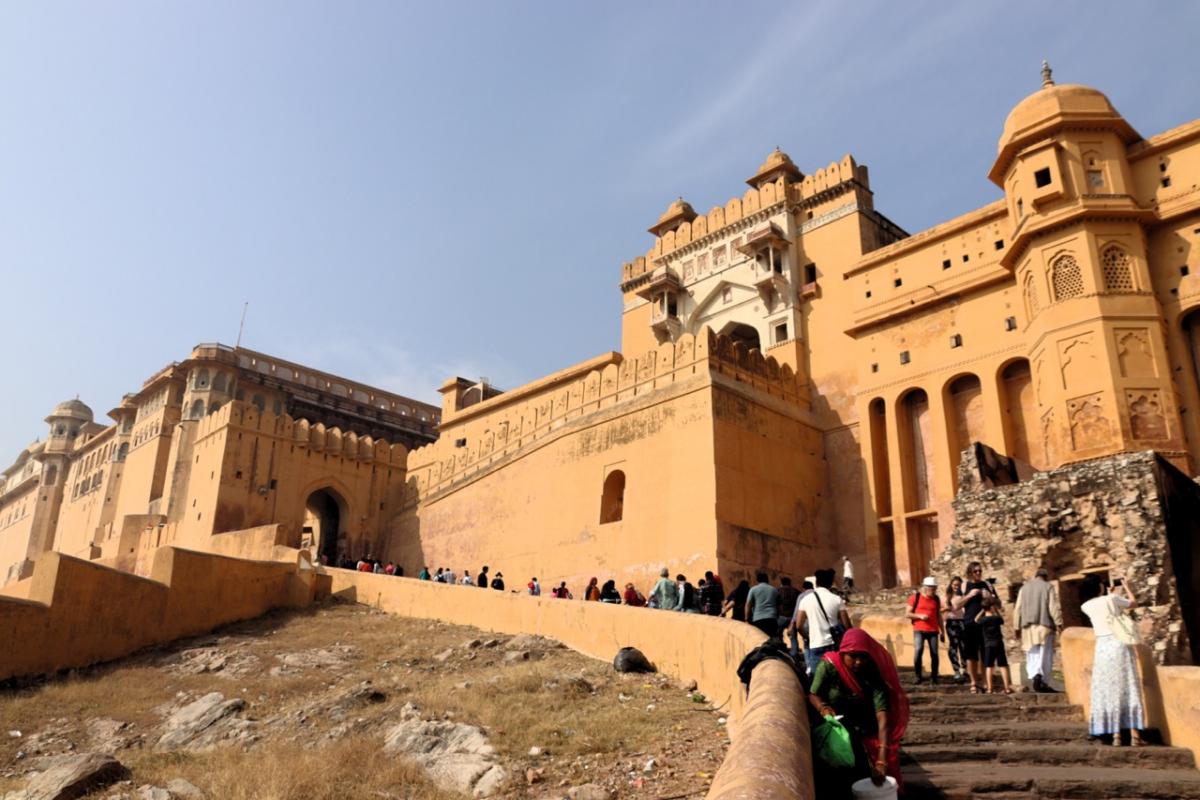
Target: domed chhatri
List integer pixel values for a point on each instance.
(1053, 106)
(72, 409)
(678, 212)
(777, 163)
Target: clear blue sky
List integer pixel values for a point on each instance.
(404, 191)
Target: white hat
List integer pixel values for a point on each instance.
(930, 581)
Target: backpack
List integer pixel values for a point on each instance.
(937, 606)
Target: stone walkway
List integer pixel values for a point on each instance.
(997, 747)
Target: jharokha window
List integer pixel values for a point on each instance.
(1118, 273)
(1066, 278)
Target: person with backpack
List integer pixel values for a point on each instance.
(924, 608)
(826, 617)
(712, 595)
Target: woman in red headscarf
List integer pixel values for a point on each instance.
(860, 684)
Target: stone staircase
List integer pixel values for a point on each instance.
(1025, 745)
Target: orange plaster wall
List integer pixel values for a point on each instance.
(79, 612)
(537, 512)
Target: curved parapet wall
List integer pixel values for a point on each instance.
(770, 757)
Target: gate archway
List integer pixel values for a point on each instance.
(324, 524)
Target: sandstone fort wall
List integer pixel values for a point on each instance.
(519, 482)
(79, 613)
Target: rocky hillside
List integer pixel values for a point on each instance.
(345, 702)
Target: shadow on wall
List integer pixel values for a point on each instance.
(1180, 498)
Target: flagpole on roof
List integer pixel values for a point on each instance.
(242, 324)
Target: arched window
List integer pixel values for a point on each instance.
(612, 504)
(1066, 278)
(197, 410)
(202, 379)
(1118, 273)
(51, 476)
(219, 382)
(214, 407)
(122, 451)
(1031, 298)
(258, 402)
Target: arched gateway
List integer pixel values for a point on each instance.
(324, 524)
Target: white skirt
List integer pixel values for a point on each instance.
(1116, 690)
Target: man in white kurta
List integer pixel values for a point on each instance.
(1038, 616)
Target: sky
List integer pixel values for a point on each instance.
(407, 191)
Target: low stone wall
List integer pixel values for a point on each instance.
(894, 633)
(770, 758)
(78, 612)
(1171, 694)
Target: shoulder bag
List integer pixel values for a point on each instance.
(1121, 624)
(836, 630)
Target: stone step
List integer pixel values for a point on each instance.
(990, 781)
(1017, 733)
(967, 699)
(1073, 754)
(990, 714)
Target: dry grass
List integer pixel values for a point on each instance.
(344, 770)
(319, 742)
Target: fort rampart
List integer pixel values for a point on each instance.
(75, 612)
(539, 466)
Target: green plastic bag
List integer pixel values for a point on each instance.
(833, 745)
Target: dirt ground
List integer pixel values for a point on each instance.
(323, 687)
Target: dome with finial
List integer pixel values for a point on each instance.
(678, 212)
(777, 163)
(71, 409)
(1050, 108)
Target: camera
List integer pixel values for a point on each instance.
(1118, 582)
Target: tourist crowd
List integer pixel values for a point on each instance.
(851, 678)
(971, 622)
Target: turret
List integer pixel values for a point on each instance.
(66, 421)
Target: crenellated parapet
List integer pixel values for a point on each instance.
(676, 231)
(331, 441)
(510, 423)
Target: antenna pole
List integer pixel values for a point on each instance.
(242, 324)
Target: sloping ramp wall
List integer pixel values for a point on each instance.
(79, 613)
(770, 757)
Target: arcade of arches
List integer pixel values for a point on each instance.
(914, 442)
